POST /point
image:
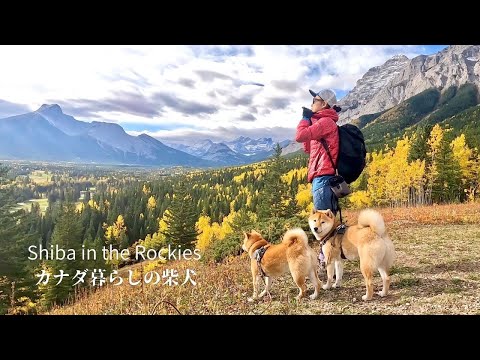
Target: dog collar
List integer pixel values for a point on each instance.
(339, 230)
(328, 236)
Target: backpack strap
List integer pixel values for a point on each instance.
(324, 143)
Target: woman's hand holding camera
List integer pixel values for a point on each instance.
(307, 114)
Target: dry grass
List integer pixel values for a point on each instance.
(41, 177)
(27, 205)
(436, 272)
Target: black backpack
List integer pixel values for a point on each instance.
(352, 153)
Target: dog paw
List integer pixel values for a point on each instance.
(336, 285)
(313, 296)
(325, 287)
(251, 299)
(381, 293)
(365, 298)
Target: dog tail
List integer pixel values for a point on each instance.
(373, 219)
(296, 235)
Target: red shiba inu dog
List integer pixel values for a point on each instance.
(272, 260)
(367, 240)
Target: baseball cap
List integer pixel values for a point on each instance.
(327, 95)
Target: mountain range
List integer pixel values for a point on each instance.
(242, 150)
(49, 134)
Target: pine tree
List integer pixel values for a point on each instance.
(445, 172)
(448, 183)
(17, 233)
(67, 235)
(243, 221)
(419, 148)
(273, 198)
(88, 244)
(123, 240)
(100, 232)
(180, 219)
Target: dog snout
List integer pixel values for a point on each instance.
(315, 228)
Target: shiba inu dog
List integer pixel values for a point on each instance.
(272, 260)
(367, 240)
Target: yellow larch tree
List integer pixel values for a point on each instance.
(113, 233)
(206, 232)
(397, 179)
(360, 199)
(464, 155)
(304, 198)
(376, 171)
(434, 143)
(152, 203)
(146, 189)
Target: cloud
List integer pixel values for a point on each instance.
(221, 134)
(187, 83)
(131, 77)
(134, 104)
(278, 102)
(247, 117)
(184, 106)
(286, 85)
(207, 75)
(8, 109)
(253, 83)
(245, 100)
(123, 102)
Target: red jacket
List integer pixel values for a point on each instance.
(323, 126)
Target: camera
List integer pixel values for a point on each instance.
(339, 186)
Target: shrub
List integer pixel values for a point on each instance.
(218, 249)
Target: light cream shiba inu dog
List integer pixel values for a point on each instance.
(272, 260)
(367, 240)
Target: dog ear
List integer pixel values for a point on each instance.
(314, 211)
(255, 232)
(329, 213)
(247, 234)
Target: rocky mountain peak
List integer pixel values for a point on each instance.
(50, 108)
(399, 78)
(370, 84)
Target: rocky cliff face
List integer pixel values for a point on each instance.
(369, 85)
(385, 86)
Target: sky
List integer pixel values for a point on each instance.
(183, 94)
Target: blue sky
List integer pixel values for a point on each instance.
(186, 93)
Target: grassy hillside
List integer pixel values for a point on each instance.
(468, 123)
(363, 120)
(395, 120)
(429, 107)
(436, 272)
(452, 102)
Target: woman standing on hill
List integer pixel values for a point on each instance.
(318, 123)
